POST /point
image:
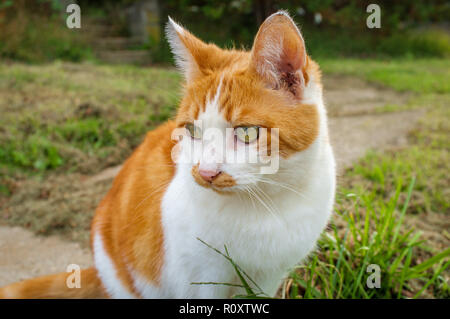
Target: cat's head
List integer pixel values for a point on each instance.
(237, 104)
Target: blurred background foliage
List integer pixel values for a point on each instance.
(331, 28)
(35, 31)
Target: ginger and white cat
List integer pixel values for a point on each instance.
(145, 232)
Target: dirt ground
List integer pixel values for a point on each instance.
(355, 127)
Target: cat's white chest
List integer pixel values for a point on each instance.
(264, 239)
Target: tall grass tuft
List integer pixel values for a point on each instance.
(374, 234)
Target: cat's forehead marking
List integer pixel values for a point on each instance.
(211, 115)
(223, 104)
(213, 104)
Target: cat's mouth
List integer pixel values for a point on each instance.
(220, 183)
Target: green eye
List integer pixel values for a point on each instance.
(193, 130)
(247, 134)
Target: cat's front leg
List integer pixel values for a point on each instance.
(269, 281)
(208, 284)
(197, 272)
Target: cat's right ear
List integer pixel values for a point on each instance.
(279, 55)
(186, 48)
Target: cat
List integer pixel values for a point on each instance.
(153, 233)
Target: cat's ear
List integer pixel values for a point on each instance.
(279, 55)
(189, 51)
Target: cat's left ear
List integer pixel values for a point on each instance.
(191, 54)
(279, 54)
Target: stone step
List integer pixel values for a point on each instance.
(100, 30)
(114, 43)
(139, 57)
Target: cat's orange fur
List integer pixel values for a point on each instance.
(54, 286)
(128, 218)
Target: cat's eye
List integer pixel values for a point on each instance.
(194, 131)
(247, 134)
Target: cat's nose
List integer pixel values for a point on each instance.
(209, 175)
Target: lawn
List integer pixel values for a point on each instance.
(78, 117)
(392, 209)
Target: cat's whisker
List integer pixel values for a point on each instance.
(272, 182)
(247, 189)
(283, 185)
(269, 209)
(271, 202)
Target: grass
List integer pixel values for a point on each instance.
(371, 230)
(423, 76)
(61, 116)
(247, 283)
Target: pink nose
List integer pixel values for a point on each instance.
(209, 175)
